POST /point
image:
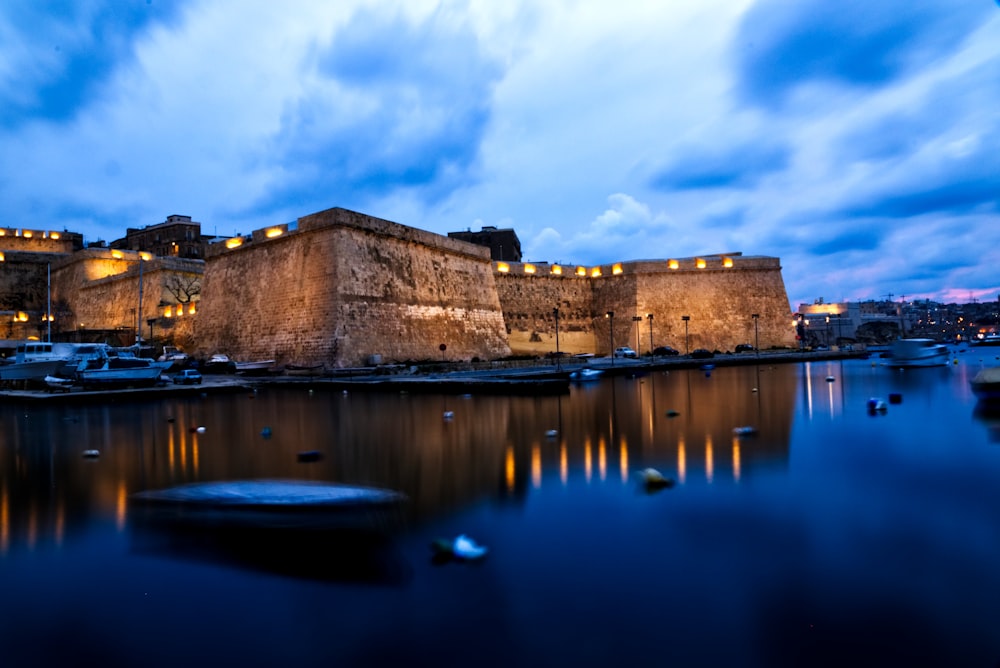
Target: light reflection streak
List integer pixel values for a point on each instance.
(183, 449)
(4, 522)
(536, 467)
(709, 458)
(120, 505)
(170, 451)
(623, 460)
(809, 390)
(588, 463)
(60, 530)
(736, 459)
(681, 460)
(509, 467)
(563, 464)
(602, 459)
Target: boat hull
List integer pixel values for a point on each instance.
(914, 353)
(31, 370)
(986, 385)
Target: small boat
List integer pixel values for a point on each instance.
(586, 374)
(118, 372)
(258, 367)
(906, 353)
(219, 363)
(991, 339)
(56, 384)
(274, 504)
(173, 356)
(296, 370)
(986, 384)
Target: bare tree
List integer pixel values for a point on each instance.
(183, 287)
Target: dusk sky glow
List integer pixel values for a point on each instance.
(858, 141)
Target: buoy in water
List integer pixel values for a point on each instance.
(266, 432)
(449, 415)
(830, 379)
(551, 433)
(653, 479)
(91, 454)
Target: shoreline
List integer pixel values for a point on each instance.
(544, 377)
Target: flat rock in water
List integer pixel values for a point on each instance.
(271, 493)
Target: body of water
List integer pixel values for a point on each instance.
(832, 536)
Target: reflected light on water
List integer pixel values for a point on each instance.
(563, 463)
(681, 460)
(736, 459)
(536, 467)
(709, 459)
(623, 460)
(121, 502)
(602, 459)
(588, 460)
(4, 522)
(510, 468)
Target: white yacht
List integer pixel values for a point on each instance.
(917, 352)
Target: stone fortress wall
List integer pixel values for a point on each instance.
(344, 289)
(719, 294)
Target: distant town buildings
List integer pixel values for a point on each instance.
(177, 236)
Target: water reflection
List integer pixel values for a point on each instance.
(494, 446)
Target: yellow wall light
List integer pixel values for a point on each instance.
(556, 269)
(529, 268)
(274, 232)
(117, 254)
(581, 271)
(235, 242)
(616, 268)
(727, 262)
(595, 272)
(700, 263)
(503, 267)
(673, 264)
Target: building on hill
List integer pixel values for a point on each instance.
(177, 236)
(503, 244)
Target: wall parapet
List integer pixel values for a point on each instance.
(702, 263)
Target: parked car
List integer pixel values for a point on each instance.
(744, 348)
(665, 351)
(188, 377)
(701, 353)
(625, 351)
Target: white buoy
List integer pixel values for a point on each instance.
(91, 454)
(551, 433)
(448, 415)
(200, 430)
(466, 548)
(830, 379)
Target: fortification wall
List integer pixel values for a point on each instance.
(39, 241)
(719, 294)
(342, 287)
(98, 289)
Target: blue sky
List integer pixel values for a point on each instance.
(858, 141)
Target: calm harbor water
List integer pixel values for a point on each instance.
(831, 537)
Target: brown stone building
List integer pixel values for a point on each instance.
(177, 236)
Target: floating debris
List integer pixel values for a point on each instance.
(200, 430)
(462, 548)
(876, 405)
(745, 431)
(754, 390)
(266, 432)
(91, 454)
(310, 456)
(672, 414)
(551, 433)
(654, 480)
(449, 415)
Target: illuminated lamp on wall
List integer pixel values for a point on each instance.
(117, 254)
(235, 242)
(3, 233)
(727, 262)
(529, 268)
(2, 258)
(21, 316)
(700, 263)
(191, 309)
(143, 255)
(556, 269)
(581, 271)
(503, 267)
(168, 312)
(273, 232)
(616, 268)
(673, 264)
(55, 235)
(595, 272)
(27, 234)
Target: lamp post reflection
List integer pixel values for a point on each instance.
(649, 316)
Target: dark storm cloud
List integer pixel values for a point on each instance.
(732, 166)
(422, 94)
(66, 50)
(782, 45)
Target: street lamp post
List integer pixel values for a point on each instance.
(637, 319)
(555, 312)
(756, 333)
(649, 316)
(687, 342)
(610, 315)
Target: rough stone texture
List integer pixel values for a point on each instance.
(718, 299)
(344, 287)
(101, 292)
